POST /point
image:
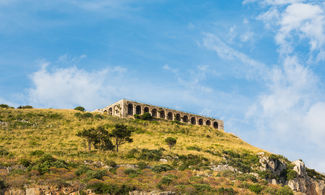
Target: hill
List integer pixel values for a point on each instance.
(40, 152)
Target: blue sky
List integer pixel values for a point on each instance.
(256, 64)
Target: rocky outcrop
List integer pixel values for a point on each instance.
(305, 184)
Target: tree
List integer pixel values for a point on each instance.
(98, 137)
(80, 108)
(170, 142)
(122, 134)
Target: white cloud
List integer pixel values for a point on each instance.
(68, 87)
(247, 67)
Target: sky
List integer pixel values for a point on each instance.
(256, 64)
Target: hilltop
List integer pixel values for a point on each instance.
(41, 152)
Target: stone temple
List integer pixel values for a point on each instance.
(126, 108)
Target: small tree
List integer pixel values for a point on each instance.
(4, 106)
(98, 137)
(170, 142)
(122, 134)
(80, 108)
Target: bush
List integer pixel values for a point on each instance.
(162, 168)
(82, 170)
(170, 142)
(285, 190)
(101, 188)
(291, 174)
(4, 106)
(111, 163)
(255, 188)
(142, 165)
(44, 164)
(25, 107)
(99, 116)
(2, 185)
(196, 148)
(3, 152)
(37, 153)
(203, 187)
(98, 174)
(192, 160)
(25, 162)
(145, 154)
(131, 172)
(228, 191)
(146, 116)
(80, 108)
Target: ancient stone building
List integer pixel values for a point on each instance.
(126, 108)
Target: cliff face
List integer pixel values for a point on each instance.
(300, 180)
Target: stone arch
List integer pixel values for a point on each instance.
(215, 125)
(193, 121)
(170, 116)
(116, 109)
(162, 113)
(177, 117)
(185, 119)
(154, 112)
(200, 121)
(110, 111)
(146, 109)
(138, 109)
(130, 109)
(208, 122)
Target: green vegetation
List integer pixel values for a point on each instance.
(146, 116)
(171, 142)
(25, 107)
(80, 108)
(69, 148)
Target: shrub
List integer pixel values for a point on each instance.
(99, 116)
(3, 152)
(111, 163)
(146, 116)
(142, 165)
(37, 153)
(313, 174)
(291, 174)
(145, 154)
(203, 187)
(82, 170)
(170, 142)
(166, 180)
(2, 185)
(25, 107)
(25, 162)
(196, 148)
(162, 168)
(285, 190)
(98, 174)
(101, 188)
(228, 191)
(80, 108)
(192, 160)
(44, 164)
(87, 115)
(4, 106)
(131, 172)
(255, 188)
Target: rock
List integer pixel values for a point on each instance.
(300, 168)
(163, 160)
(14, 192)
(33, 191)
(223, 168)
(274, 165)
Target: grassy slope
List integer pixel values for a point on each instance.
(54, 132)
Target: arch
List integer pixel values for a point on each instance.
(117, 109)
(215, 125)
(138, 109)
(200, 121)
(208, 122)
(146, 109)
(130, 109)
(185, 119)
(154, 112)
(193, 121)
(178, 117)
(162, 114)
(110, 111)
(170, 116)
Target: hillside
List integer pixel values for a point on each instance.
(41, 152)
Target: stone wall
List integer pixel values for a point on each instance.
(126, 108)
